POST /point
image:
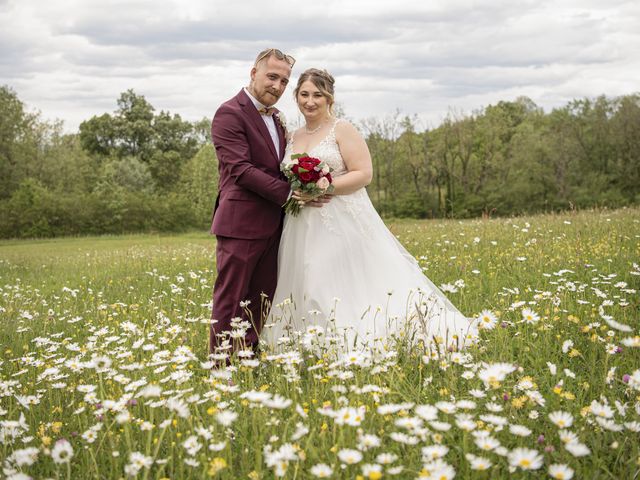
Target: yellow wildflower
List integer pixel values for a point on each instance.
(216, 465)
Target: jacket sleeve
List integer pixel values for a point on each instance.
(232, 149)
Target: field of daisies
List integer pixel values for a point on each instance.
(105, 370)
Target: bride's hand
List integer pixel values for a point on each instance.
(301, 197)
(320, 201)
(305, 199)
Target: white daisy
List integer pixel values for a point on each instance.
(525, 459)
(349, 456)
(561, 419)
(62, 452)
(321, 470)
(560, 471)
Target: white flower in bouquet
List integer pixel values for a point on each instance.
(323, 183)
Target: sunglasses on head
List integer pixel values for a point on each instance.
(279, 55)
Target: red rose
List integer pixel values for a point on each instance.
(308, 163)
(306, 177)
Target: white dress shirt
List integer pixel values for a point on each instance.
(269, 122)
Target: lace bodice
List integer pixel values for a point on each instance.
(327, 150)
(352, 205)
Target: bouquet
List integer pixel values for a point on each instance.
(309, 175)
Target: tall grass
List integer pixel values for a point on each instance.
(105, 374)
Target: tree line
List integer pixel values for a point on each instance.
(139, 170)
(508, 159)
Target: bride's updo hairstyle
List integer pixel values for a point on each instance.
(323, 81)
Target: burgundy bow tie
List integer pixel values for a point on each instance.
(267, 111)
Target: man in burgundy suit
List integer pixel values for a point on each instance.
(247, 220)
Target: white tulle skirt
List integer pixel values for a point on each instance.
(342, 273)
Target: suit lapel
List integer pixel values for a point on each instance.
(256, 119)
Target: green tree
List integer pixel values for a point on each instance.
(199, 184)
(17, 141)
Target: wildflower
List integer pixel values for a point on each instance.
(386, 458)
(465, 422)
(279, 459)
(634, 380)
(611, 349)
(62, 452)
(277, 402)
(404, 438)
(368, 441)
(632, 426)
(349, 456)
(525, 458)
(25, 457)
(474, 392)
(217, 447)
(390, 409)
(123, 417)
(426, 412)
(192, 445)
(150, 391)
(433, 452)
(609, 424)
(446, 407)
(561, 419)
(226, 417)
(486, 443)
(466, 404)
(495, 373)
(216, 465)
(395, 470)
(137, 461)
(349, 416)
(101, 363)
(529, 316)
(494, 419)
(321, 470)
(179, 406)
(633, 342)
(487, 320)
(577, 449)
(372, 471)
(301, 431)
(519, 430)
(440, 426)
(601, 410)
(560, 471)
(438, 469)
(478, 463)
(567, 436)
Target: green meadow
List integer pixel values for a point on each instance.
(105, 370)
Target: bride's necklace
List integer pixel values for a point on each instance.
(314, 130)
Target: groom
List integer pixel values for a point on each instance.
(249, 139)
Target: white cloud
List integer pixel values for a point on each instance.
(72, 58)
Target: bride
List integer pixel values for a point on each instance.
(339, 267)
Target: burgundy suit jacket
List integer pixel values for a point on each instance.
(251, 188)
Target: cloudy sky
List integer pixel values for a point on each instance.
(71, 59)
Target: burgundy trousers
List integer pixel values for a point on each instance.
(247, 271)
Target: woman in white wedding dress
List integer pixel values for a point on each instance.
(339, 267)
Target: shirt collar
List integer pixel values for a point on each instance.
(255, 102)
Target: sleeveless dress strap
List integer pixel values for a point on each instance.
(332, 131)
